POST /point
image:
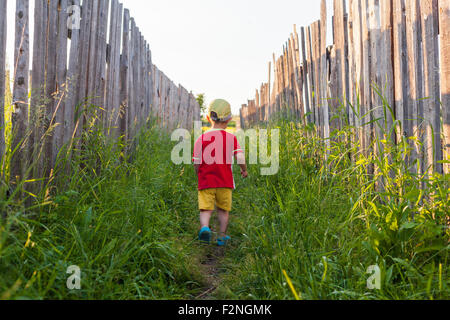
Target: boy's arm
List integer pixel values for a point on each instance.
(240, 157)
(197, 168)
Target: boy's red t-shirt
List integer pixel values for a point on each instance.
(214, 152)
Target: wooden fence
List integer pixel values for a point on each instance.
(395, 49)
(89, 64)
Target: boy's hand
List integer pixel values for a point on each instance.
(244, 174)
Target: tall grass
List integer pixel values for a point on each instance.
(124, 218)
(129, 221)
(324, 221)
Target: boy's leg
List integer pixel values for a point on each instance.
(224, 219)
(205, 218)
(224, 201)
(206, 201)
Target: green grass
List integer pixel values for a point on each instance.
(325, 223)
(129, 227)
(314, 228)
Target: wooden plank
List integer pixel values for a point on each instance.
(341, 43)
(100, 59)
(306, 75)
(137, 78)
(83, 65)
(334, 77)
(38, 108)
(431, 104)
(444, 29)
(284, 82)
(293, 69)
(387, 64)
(115, 52)
(111, 65)
(400, 67)
(72, 81)
(131, 97)
(311, 71)
(315, 43)
(267, 116)
(60, 81)
(19, 117)
(156, 95)
(149, 77)
(124, 75)
(414, 55)
(141, 78)
(3, 32)
(50, 86)
(92, 95)
(351, 67)
(298, 76)
(290, 77)
(366, 74)
(376, 61)
(324, 73)
(275, 89)
(358, 72)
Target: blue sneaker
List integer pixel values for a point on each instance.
(205, 235)
(223, 242)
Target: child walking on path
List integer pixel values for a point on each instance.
(213, 157)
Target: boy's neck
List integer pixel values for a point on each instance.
(219, 126)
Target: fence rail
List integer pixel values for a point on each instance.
(79, 77)
(390, 60)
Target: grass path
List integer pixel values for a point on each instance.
(210, 267)
(131, 228)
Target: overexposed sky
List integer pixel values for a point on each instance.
(218, 47)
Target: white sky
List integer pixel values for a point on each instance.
(218, 47)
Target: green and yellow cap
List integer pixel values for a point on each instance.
(220, 110)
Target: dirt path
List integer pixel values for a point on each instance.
(211, 269)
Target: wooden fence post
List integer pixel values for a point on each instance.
(100, 60)
(444, 30)
(315, 36)
(60, 79)
(324, 74)
(19, 116)
(366, 92)
(50, 86)
(375, 66)
(400, 67)
(115, 53)
(387, 64)
(72, 81)
(92, 96)
(306, 73)
(149, 77)
(82, 68)
(3, 32)
(431, 105)
(413, 39)
(38, 108)
(352, 85)
(124, 75)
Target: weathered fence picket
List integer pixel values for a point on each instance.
(444, 30)
(383, 66)
(80, 79)
(3, 28)
(19, 117)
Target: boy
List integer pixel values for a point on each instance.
(213, 158)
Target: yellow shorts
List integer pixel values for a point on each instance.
(221, 198)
